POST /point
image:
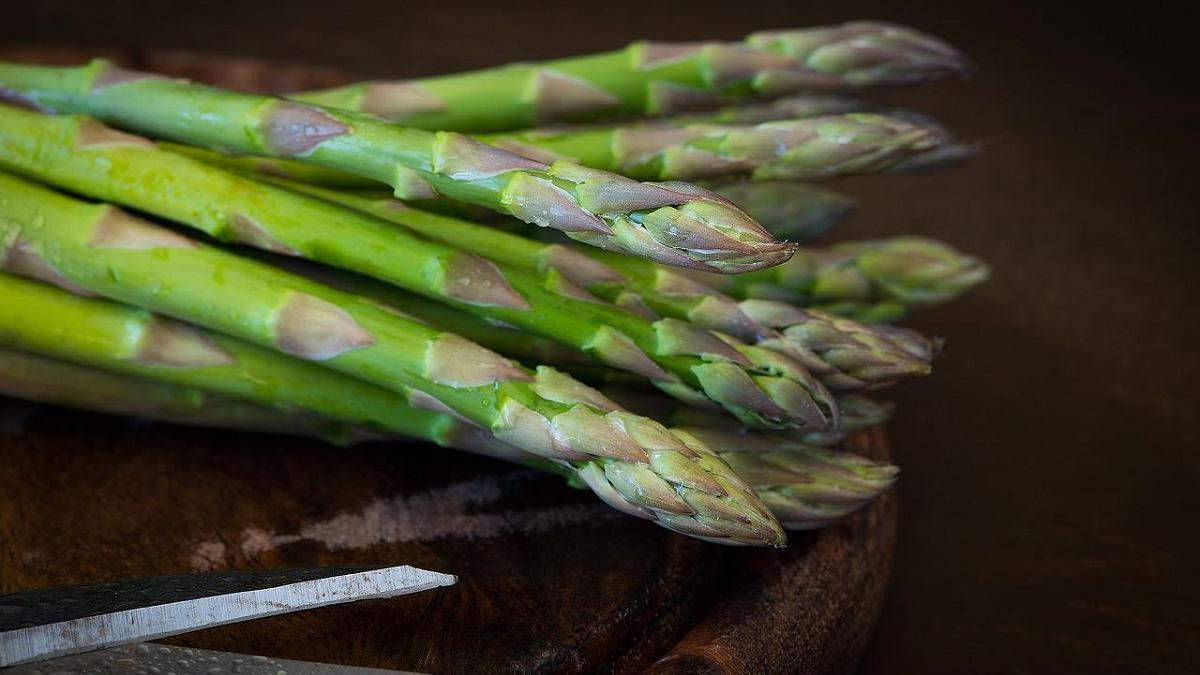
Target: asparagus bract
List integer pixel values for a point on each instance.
(631, 462)
(83, 156)
(820, 147)
(654, 78)
(678, 224)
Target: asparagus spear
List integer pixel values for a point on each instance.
(790, 210)
(134, 342)
(81, 155)
(820, 147)
(906, 271)
(631, 462)
(678, 224)
(655, 78)
(43, 379)
(945, 152)
(819, 484)
(842, 353)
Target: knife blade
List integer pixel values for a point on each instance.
(48, 623)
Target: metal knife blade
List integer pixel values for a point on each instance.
(55, 622)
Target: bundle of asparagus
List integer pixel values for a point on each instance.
(649, 341)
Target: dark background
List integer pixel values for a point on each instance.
(1048, 509)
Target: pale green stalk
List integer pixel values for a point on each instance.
(794, 149)
(655, 78)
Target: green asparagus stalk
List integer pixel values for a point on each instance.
(908, 271)
(655, 78)
(790, 210)
(42, 379)
(842, 353)
(80, 155)
(815, 148)
(679, 224)
(134, 342)
(818, 486)
(631, 462)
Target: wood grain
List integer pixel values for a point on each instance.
(551, 580)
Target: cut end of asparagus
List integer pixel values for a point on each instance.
(861, 53)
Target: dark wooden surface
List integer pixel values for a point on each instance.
(550, 579)
(1050, 464)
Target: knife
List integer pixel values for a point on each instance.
(55, 622)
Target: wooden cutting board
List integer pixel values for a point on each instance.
(550, 579)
